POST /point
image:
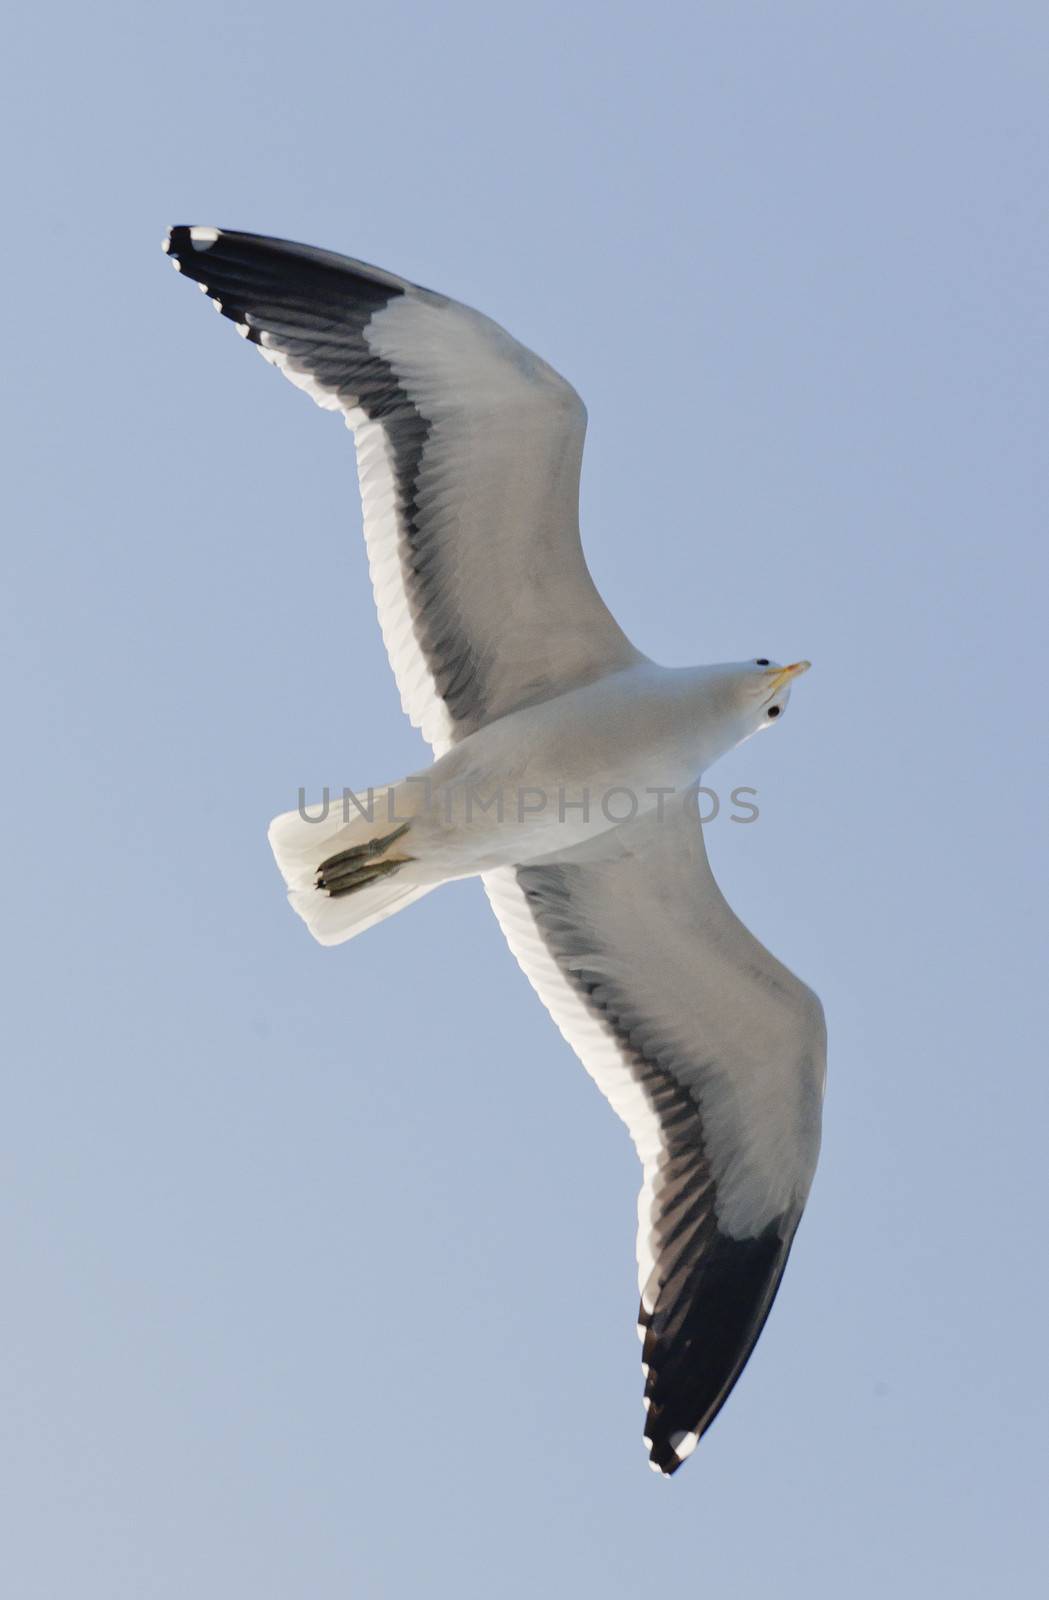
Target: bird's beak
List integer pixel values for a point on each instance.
(782, 675)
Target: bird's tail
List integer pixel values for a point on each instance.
(347, 872)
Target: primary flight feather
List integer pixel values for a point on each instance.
(565, 777)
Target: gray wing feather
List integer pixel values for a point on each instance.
(714, 1056)
(469, 450)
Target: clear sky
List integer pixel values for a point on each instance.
(318, 1271)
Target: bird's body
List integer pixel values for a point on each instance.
(566, 764)
(552, 775)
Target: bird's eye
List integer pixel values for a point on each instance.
(773, 711)
(763, 662)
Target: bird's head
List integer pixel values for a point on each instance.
(750, 696)
(764, 688)
(742, 698)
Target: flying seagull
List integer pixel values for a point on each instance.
(565, 776)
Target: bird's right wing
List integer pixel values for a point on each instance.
(714, 1055)
(468, 452)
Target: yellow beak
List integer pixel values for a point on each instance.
(783, 675)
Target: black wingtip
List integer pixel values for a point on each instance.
(258, 282)
(662, 1458)
(187, 247)
(182, 238)
(669, 1446)
(696, 1343)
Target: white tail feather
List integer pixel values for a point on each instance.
(301, 843)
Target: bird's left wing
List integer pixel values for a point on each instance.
(468, 453)
(713, 1054)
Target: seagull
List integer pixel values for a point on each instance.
(566, 776)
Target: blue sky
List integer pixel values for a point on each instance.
(318, 1265)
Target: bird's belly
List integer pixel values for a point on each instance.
(537, 784)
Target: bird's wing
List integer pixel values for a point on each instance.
(713, 1054)
(468, 451)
